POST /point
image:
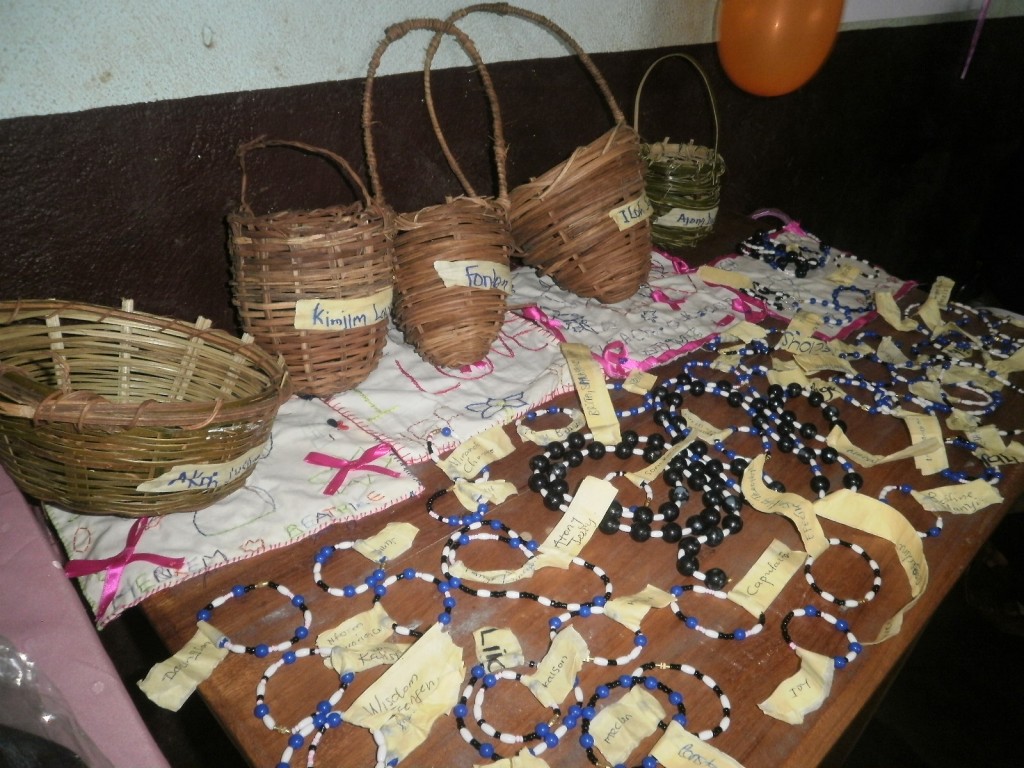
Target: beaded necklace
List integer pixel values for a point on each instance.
(694, 623)
(853, 646)
(260, 650)
(723, 700)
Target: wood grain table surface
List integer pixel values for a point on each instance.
(748, 670)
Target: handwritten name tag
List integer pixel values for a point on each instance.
(342, 314)
(473, 273)
(632, 213)
(198, 477)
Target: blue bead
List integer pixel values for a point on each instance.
(626, 681)
(810, 610)
(348, 591)
(478, 671)
(261, 711)
(640, 640)
(840, 662)
(588, 713)
(380, 590)
(444, 619)
(289, 657)
(571, 721)
(301, 633)
(676, 591)
(203, 615)
(335, 719)
(649, 762)
(446, 431)
(319, 721)
(675, 698)
(842, 625)
(296, 740)
(650, 683)
(449, 602)
(600, 601)
(490, 681)
(409, 573)
(740, 634)
(515, 542)
(551, 740)
(554, 623)
(298, 601)
(603, 691)
(586, 741)
(460, 710)
(379, 574)
(323, 707)
(585, 611)
(455, 582)
(261, 651)
(348, 677)
(487, 750)
(856, 647)
(238, 590)
(691, 622)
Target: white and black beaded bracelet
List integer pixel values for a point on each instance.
(260, 650)
(876, 573)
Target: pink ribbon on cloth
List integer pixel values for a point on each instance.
(344, 466)
(616, 361)
(679, 266)
(535, 314)
(114, 566)
(660, 296)
(750, 311)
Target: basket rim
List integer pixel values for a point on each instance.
(21, 396)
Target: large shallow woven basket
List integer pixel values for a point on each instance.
(684, 181)
(452, 260)
(116, 412)
(585, 222)
(315, 286)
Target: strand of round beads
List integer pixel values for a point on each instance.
(853, 646)
(694, 623)
(261, 650)
(931, 532)
(723, 700)
(465, 537)
(649, 682)
(846, 602)
(556, 623)
(448, 602)
(546, 731)
(262, 709)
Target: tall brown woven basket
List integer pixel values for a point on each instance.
(116, 412)
(315, 286)
(585, 222)
(448, 323)
(684, 181)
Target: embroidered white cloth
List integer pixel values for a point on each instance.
(282, 502)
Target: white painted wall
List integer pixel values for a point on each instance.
(69, 55)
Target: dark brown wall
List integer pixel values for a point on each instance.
(886, 153)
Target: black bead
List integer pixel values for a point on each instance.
(671, 532)
(553, 502)
(776, 390)
(820, 484)
(714, 467)
(735, 399)
(853, 481)
(555, 450)
(732, 523)
(716, 578)
(668, 511)
(537, 482)
(715, 536)
(697, 387)
(639, 532)
(829, 455)
(696, 524)
(643, 515)
(623, 451)
(738, 466)
(656, 441)
(671, 476)
(777, 486)
(576, 440)
(652, 454)
(699, 448)
(689, 545)
(710, 516)
(559, 471)
(609, 525)
(808, 431)
(630, 438)
(794, 390)
(540, 463)
(815, 398)
(805, 454)
(713, 498)
(596, 450)
(574, 457)
(687, 566)
(786, 443)
(840, 423)
(831, 413)
(724, 385)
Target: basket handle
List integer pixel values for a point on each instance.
(396, 32)
(263, 142)
(703, 76)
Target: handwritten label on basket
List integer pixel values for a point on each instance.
(202, 477)
(632, 213)
(342, 314)
(687, 218)
(473, 273)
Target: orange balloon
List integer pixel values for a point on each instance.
(772, 47)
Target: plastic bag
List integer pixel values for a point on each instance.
(37, 727)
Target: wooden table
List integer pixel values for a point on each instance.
(748, 671)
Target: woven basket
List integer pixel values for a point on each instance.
(684, 181)
(95, 402)
(315, 286)
(448, 323)
(584, 222)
